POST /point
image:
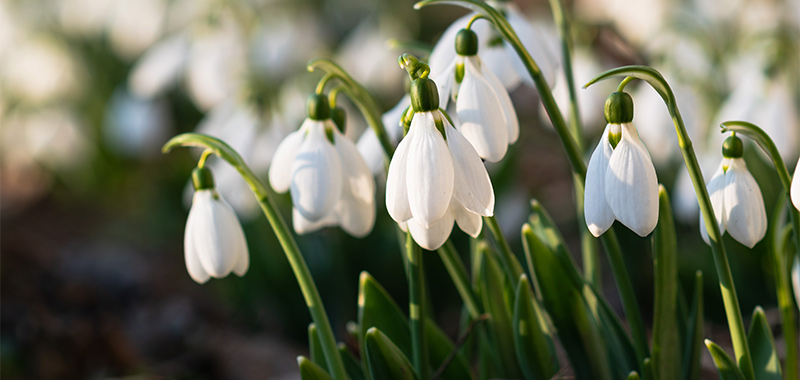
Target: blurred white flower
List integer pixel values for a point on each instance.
(135, 25)
(433, 182)
(796, 186)
(585, 66)
(217, 63)
(737, 203)
(276, 44)
(368, 144)
(366, 54)
(55, 138)
(134, 126)
(621, 183)
(329, 181)
(214, 243)
(498, 55)
(638, 21)
(40, 70)
(85, 17)
(160, 67)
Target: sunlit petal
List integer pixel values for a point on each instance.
(429, 171)
(483, 122)
(316, 175)
(745, 215)
(472, 188)
(596, 211)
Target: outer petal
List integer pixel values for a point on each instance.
(745, 215)
(483, 121)
(796, 280)
(396, 186)
(508, 107)
(716, 191)
(469, 222)
(445, 50)
(445, 83)
(159, 67)
(796, 186)
(631, 184)
(356, 210)
(496, 59)
(534, 42)
(303, 226)
(316, 175)
(218, 233)
(368, 145)
(472, 188)
(433, 237)
(280, 171)
(429, 171)
(598, 215)
(193, 265)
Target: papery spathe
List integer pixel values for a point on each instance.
(214, 243)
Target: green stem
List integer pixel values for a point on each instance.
(416, 308)
(624, 283)
(455, 267)
(298, 264)
(360, 96)
(727, 287)
(782, 265)
(509, 260)
(591, 257)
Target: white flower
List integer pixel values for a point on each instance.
(433, 182)
(483, 106)
(330, 183)
(500, 58)
(621, 184)
(737, 203)
(796, 186)
(368, 144)
(796, 280)
(214, 242)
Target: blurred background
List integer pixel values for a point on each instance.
(93, 282)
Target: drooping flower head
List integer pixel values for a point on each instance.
(329, 181)
(214, 243)
(621, 181)
(483, 107)
(736, 198)
(435, 176)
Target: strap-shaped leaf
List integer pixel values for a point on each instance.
(384, 359)
(694, 336)
(533, 344)
(351, 364)
(621, 354)
(666, 348)
(310, 370)
(725, 365)
(762, 346)
(315, 347)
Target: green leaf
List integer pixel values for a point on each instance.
(622, 356)
(762, 346)
(634, 376)
(694, 337)
(497, 297)
(725, 365)
(315, 346)
(351, 364)
(439, 347)
(666, 348)
(310, 370)
(384, 359)
(562, 298)
(534, 346)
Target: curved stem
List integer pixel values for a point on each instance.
(290, 248)
(629, 302)
(416, 308)
(727, 287)
(783, 287)
(360, 96)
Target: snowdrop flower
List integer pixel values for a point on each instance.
(500, 58)
(621, 181)
(488, 119)
(329, 181)
(214, 243)
(435, 176)
(796, 186)
(368, 144)
(736, 199)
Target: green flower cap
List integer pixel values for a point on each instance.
(424, 95)
(619, 108)
(732, 147)
(202, 179)
(466, 42)
(318, 107)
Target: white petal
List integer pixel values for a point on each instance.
(396, 186)
(472, 188)
(796, 280)
(316, 175)
(469, 222)
(495, 58)
(631, 185)
(534, 41)
(370, 147)
(193, 265)
(159, 67)
(716, 192)
(796, 186)
(745, 215)
(242, 261)
(217, 233)
(280, 171)
(356, 210)
(444, 52)
(433, 237)
(303, 226)
(508, 107)
(429, 171)
(483, 121)
(598, 215)
(445, 84)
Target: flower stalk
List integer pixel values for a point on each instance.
(290, 248)
(416, 308)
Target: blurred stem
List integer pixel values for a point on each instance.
(416, 308)
(727, 287)
(290, 248)
(509, 260)
(455, 267)
(620, 272)
(359, 95)
(589, 251)
(782, 263)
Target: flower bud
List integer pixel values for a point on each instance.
(619, 108)
(732, 147)
(202, 179)
(339, 118)
(424, 95)
(466, 42)
(318, 107)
